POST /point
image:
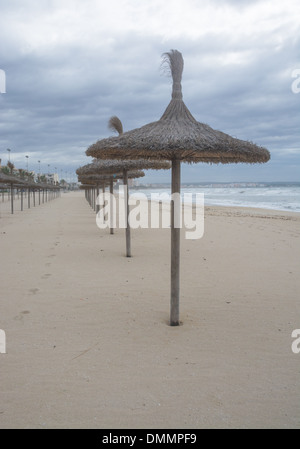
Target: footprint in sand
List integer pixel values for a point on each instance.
(21, 315)
(33, 291)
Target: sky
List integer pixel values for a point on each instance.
(67, 66)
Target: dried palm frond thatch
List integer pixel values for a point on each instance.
(10, 179)
(115, 166)
(124, 168)
(95, 178)
(178, 135)
(115, 124)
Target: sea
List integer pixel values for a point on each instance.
(281, 196)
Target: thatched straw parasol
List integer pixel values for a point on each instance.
(115, 166)
(123, 166)
(177, 136)
(8, 180)
(112, 172)
(16, 182)
(97, 178)
(84, 186)
(93, 184)
(12, 181)
(108, 180)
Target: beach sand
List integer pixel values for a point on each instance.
(87, 335)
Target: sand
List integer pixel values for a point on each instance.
(87, 335)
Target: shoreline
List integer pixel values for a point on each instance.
(236, 202)
(246, 210)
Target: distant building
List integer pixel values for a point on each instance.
(52, 178)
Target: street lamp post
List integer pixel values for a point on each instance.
(27, 157)
(39, 162)
(11, 186)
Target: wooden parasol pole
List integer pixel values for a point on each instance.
(126, 199)
(12, 197)
(175, 243)
(111, 191)
(98, 205)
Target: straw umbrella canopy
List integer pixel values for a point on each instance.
(124, 166)
(12, 181)
(15, 181)
(177, 137)
(98, 179)
(93, 172)
(107, 180)
(118, 170)
(114, 167)
(84, 186)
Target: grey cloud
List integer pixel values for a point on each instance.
(59, 100)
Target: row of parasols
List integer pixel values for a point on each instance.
(14, 184)
(176, 137)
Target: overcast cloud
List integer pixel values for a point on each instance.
(70, 65)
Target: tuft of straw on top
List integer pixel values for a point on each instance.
(115, 125)
(172, 63)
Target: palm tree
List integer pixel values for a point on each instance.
(10, 167)
(5, 170)
(22, 173)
